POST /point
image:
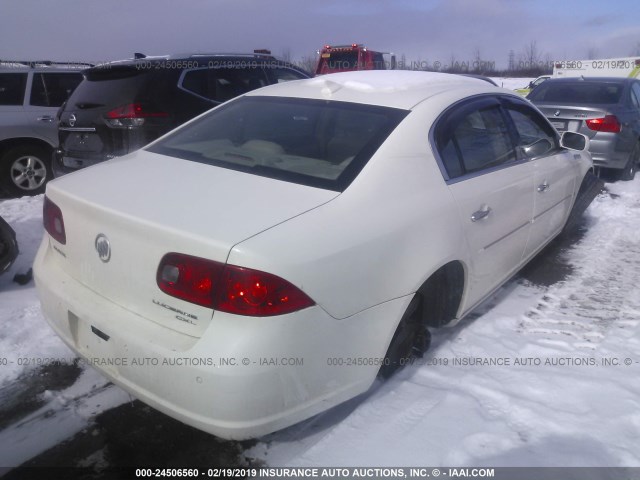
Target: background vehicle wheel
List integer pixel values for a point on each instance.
(8, 245)
(629, 171)
(411, 339)
(25, 170)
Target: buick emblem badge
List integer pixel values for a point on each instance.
(103, 247)
(556, 113)
(72, 120)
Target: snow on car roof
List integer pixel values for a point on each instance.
(393, 88)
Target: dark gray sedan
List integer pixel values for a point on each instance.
(607, 110)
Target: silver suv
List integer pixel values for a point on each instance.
(30, 95)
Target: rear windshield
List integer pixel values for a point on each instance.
(319, 143)
(111, 86)
(577, 92)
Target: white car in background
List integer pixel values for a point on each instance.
(267, 260)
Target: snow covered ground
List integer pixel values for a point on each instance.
(539, 375)
(512, 83)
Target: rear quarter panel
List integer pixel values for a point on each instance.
(379, 240)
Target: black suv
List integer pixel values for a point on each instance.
(122, 106)
(31, 92)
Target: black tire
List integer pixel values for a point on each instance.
(590, 188)
(630, 169)
(8, 246)
(411, 339)
(25, 170)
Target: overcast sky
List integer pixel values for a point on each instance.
(425, 30)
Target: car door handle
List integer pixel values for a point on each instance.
(45, 118)
(543, 187)
(480, 214)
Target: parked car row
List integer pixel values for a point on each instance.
(122, 106)
(118, 108)
(305, 223)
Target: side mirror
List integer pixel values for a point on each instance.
(537, 148)
(574, 141)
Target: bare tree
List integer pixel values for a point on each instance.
(512, 60)
(402, 65)
(453, 62)
(286, 54)
(308, 63)
(592, 53)
(530, 56)
(636, 50)
(477, 60)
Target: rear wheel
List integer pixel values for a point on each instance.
(590, 188)
(411, 339)
(25, 170)
(629, 171)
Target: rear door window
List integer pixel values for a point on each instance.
(473, 140)
(222, 84)
(53, 89)
(12, 86)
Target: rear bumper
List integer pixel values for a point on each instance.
(63, 164)
(606, 151)
(243, 378)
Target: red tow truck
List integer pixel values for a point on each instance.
(347, 58)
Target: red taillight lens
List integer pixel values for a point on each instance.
(608, 123)
(134, 110)
(132, 115)
(228, 288)
(53, 221)
(190, 278)
(259, 294)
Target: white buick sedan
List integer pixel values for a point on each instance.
(267, 260)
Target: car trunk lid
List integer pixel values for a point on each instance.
(571, 118)
(147, 205)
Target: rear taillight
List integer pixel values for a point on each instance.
(608, 123)
(132, 115)
(193, 279)
(228, 288)
(258, 294)
(53, 221)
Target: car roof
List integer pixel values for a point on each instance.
(391, 88)
(198, 58)
(42, 66)
(584, 79)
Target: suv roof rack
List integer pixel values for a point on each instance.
(257, 53)
(43, 63)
